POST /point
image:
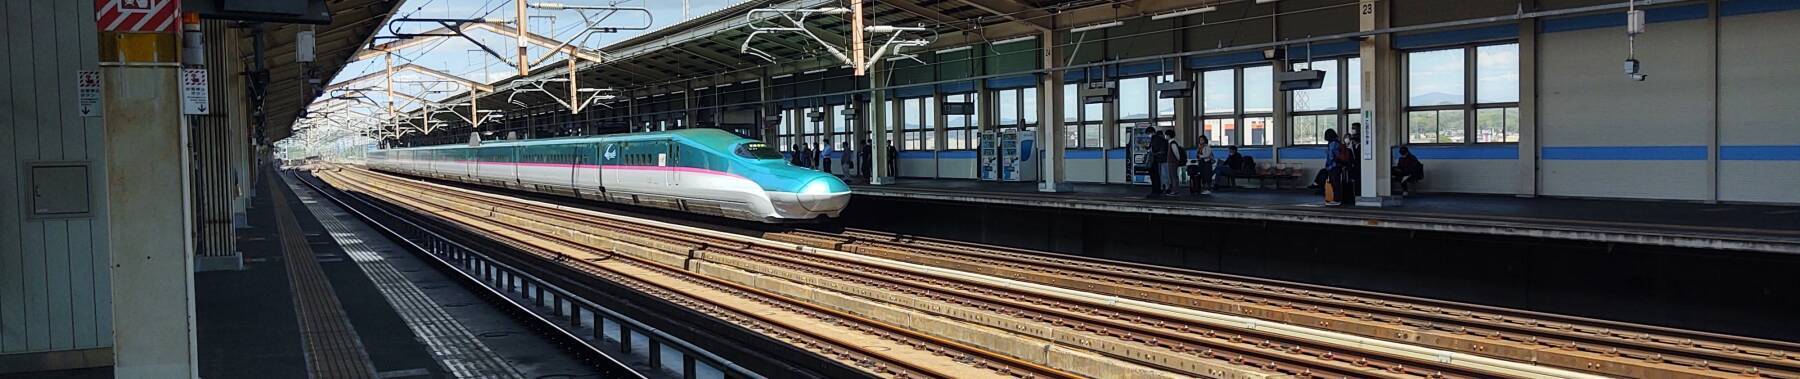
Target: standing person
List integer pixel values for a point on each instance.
(1337, 157)
(794, 154)
(1201, 179)
(1177, 159)
(1158, 156)
(893, 161)
(825, 158)
(849, 162)
(866, 159)
(1353, 167)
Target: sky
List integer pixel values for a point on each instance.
(462, 57)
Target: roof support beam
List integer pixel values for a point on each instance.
(1015, 11)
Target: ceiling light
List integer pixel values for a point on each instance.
(1011, 40)
(1096, 27)
(1266, 1)
(1183, 12)
(952, 50)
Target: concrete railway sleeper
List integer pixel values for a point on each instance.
(883, 350)
(1571, 342)
(1148, 336)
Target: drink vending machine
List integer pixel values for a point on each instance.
(1009, 155)
(1140, 153)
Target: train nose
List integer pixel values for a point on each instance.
(824, 194)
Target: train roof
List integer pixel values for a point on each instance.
(705, 136)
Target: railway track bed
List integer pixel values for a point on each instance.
(897, 306)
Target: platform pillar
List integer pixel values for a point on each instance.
(1380, 108)
(879, 122)
(149, 210)
(1050, 118)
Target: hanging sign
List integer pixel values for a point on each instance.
(193, 91)
(87, 93)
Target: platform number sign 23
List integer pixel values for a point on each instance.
(193, 91)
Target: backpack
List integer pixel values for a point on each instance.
(1342, 154)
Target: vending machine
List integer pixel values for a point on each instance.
(1009, 155)
(1140, 153)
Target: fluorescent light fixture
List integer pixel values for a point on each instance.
(1096, 27)
(723, 85)
(781, 76)
(952, 50)
(1266, 1)
(1011, 40)
(1184, 12)
(750, 81)
(810, 72)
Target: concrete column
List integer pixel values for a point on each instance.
(769, 131)
(1050, 122)
(1380, 108)
(689, 115)
(879, 120)
(149, 209)
(1528, 80)
(1281, 115)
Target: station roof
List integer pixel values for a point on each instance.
(353, 24)
(704, 51)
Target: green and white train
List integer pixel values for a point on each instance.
(705, 171)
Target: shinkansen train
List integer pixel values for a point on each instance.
(705, 171)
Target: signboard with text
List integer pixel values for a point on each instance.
(87, 93)
(194, 99)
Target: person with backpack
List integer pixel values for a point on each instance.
(1337, 163)
(1177, 158)
(1158, 156)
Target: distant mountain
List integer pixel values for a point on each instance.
(1435, 98)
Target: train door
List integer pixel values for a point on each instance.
(587, 167)
(664, 175)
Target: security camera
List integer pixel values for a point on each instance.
(1639, 77)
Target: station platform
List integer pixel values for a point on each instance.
(1742, 227)
(324, 295)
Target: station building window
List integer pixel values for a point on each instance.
(1455, 93)
(959, 130)
(815, 131)
(1237, 105)
(840, 127)
(788, 133)
(917, 121)
(1139, 104)
(1016, 108)
(1334, 105)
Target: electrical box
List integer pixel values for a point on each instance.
(303, 46)
(59, 189)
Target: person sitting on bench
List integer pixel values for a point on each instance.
(1407, 170)
(1235, 165)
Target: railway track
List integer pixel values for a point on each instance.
(1589, 345)
(879, 349)
(1042, 330)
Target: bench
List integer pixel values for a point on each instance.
(1267, 172)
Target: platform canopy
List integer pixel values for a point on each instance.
(353, 24)
(704, 51)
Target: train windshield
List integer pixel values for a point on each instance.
(757, 150)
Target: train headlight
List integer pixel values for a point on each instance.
(819, 186)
